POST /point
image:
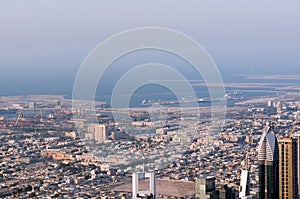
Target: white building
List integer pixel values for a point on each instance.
(151, 192)
(244, 185)
(99, 131)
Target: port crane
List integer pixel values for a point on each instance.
(19, 117)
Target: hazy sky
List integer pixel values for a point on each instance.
(43, 43)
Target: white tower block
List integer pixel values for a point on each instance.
(135, 185)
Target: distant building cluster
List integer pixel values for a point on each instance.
(43, 155)
(278, 166)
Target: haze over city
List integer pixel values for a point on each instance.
(150, 99)
(44, 43)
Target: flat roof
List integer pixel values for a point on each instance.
(163, 187)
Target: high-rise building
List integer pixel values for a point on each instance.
(297, 137)
(244, 191)
(98, 131)
(206, 188)
(288, 166)
(268, 165)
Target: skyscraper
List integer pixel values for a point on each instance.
(244, 190)
(268, 165)
(288, 166)
(297, 136)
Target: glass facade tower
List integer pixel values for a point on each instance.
(268, 158)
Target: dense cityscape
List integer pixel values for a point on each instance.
(43, 154)
(149, 99)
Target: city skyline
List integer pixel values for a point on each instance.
(159, 100)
